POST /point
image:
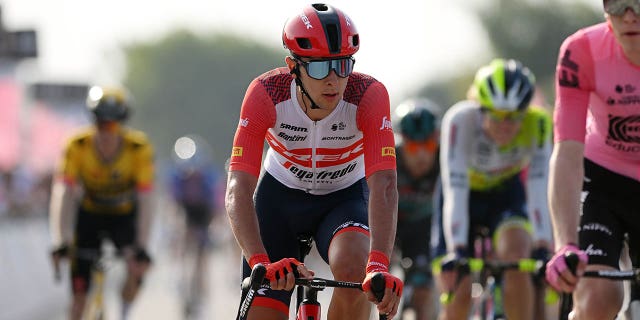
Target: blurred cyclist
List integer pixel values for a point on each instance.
(418, 123)
(110, 167)
(194, 187)
(487, 141)
(329, 170)
(595, 174)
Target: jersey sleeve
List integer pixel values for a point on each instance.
(574, 83)
(374, 121)
(455, 139)
(257, 115)
(68, 169)
(537, 177)
(145, 172)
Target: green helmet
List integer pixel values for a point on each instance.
(417, 119)
(504, 85)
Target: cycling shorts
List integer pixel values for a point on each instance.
(284, 214)
(609, 211)
(412, 239)
(488, 209)
(90, 231)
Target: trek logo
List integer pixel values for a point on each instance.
(294, 137)
(244, 122)
(293, 128)
(569, 74)
(322, 175)
(386, 124)
(306, 21)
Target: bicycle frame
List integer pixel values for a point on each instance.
(95, 306)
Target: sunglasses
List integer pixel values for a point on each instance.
(320, 69)
(412, 147)
(501, 115)
(619, 7)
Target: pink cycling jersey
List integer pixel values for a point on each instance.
(353, 141)
(598, 86)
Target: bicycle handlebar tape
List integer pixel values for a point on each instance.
(571, 259)
(378, 285)
(258, 273)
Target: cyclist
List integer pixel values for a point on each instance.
(111, 168)
(329, 169)
(194, 187)
(487, 143)
(418, 122)
(597, 152)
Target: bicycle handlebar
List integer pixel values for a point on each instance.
(257, 280)
(475, 265)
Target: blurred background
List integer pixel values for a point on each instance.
(187, 64)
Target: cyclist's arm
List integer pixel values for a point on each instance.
(565, 183)
(383, 209)
(457, 130)
(537, 181)
(61, 213)
(241, 212)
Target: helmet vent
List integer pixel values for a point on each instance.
(303, 43)
(320, 6)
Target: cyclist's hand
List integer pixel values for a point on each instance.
(281, 274)
(558, 274)
(379, 263)
(57, 254)
(450, 266)
(139, 261)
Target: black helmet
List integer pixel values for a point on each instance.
(108, 103)
(417, 119)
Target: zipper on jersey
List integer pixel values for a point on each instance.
(314, 146)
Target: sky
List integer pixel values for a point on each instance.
(404, 43)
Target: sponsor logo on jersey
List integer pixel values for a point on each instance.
(568, 76)
(625, 130)
(386, 124)
(338, 138)
(321, 175)
(389, 152)
(294, 137)
(591, 251)
(596, 227)
(236, 152)
(338, 126)
(293, 128)
(244, 122)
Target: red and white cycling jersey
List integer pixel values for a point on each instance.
(599, 86)
(319, 157)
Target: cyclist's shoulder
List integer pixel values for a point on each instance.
(462, 110)
(360, 84)
(81, 137)
(136, 138)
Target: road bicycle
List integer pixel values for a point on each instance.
(307, 304)
(632, 275)
(487, 301)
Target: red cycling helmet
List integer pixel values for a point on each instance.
(321, 31)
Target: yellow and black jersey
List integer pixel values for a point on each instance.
(110, 187)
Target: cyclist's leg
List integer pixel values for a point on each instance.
(343, 241)
(459, 307)
(414, 245)
(86, 238)
(122, 231)
(283, 214)
(601, 236)
(513, 242)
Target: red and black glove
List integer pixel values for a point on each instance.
(379, 263)
(276, 270)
